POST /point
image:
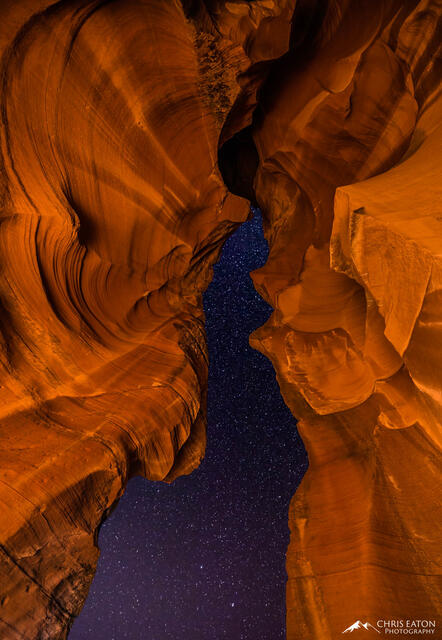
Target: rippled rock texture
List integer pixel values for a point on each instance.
(133, 135)
(349, 140)
(113, 212)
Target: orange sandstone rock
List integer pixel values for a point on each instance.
(127, 128)
(113, 213)
(349, 182)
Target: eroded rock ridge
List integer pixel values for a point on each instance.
(134, 135)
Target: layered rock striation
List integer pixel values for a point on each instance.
(349, 183)
(113, 213)
(133, 136)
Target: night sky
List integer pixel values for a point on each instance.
(204, 558)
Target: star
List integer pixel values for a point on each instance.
(229, 517)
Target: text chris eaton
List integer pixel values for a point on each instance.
(407, 627)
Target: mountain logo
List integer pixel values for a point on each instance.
(360, 625)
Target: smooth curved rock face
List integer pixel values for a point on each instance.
(350, 186)
(113, 210)
(113, 213)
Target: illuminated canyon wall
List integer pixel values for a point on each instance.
(349, 180)
(134, 134)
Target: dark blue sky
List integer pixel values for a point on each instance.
(204, 558)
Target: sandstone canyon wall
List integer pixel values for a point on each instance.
(134, 133)
(349, 182)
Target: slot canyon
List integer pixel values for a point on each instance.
(136, 137)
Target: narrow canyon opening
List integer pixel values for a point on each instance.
(205, 556)
(135, 136)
